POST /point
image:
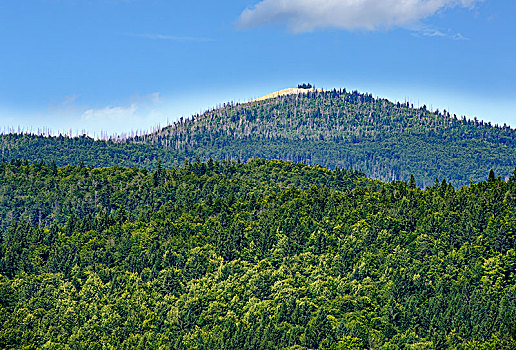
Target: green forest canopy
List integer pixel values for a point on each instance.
(256, 255)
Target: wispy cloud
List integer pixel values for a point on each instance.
(423, 31)
(68, 100)
(176, 38)
(140, 105)
(117, 113)
(154, 98)
(140, 112)
(307, 15)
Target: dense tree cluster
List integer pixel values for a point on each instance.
(256, 255)
(42, 194)
(64, 150)
(388, 141)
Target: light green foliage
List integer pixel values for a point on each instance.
(261, 255)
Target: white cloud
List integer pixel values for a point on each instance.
(139, 113)
(308, 15)
(107, 114)
(124, 112)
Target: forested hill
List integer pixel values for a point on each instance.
(262, 255)
(331, 128)
(42, 194)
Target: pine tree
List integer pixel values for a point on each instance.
(412, 182)
(491, 177)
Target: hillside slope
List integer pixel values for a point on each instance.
(233, 256)
(386, 140)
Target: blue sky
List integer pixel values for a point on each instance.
(122, 65)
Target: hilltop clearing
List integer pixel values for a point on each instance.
(289, 91)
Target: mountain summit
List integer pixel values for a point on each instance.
(336, 129)
(288, 91)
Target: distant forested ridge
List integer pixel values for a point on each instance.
(266, 254)
(336, 129)
(42, 194)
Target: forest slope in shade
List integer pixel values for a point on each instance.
(336, 129)
(261, 255)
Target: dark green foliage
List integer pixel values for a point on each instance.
(75, 194)
(336, 129)
(64, 150)
(491, 177)
(257, 255)
(412, 181)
